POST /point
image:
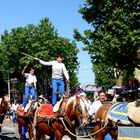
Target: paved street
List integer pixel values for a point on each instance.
(10, 132)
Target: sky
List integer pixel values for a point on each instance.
(63, 14)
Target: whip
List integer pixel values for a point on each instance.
(29, 56)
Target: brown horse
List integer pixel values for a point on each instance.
(107, 123)
(100, 121)
(4, 107)
(27, 118)
(75, 115)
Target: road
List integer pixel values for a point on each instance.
(10, 132)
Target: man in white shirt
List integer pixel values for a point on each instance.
(30, 85)
(98, 103)
(58, 69)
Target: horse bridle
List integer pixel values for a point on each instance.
(79, 107)
(86, 116)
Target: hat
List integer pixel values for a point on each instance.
(134, 111)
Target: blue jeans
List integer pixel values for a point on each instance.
(57, 86)
(28, 90)
(14, 117)
(23, 132)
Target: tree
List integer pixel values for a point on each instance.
(114, 39)
(40, 41)
(104, 75)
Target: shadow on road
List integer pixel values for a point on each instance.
(4, 136)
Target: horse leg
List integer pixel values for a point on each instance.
(31, 133)
(0, 128)
(100, 135)
(38, 134)
(58, 135)
(114, 134)
(42, 137)
(71, 136)
(1, 121)
(20, 131)
(51, 138)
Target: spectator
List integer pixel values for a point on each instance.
(98, 103)
(14, 108)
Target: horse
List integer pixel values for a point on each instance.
(27, 118)
(4, 107)
(100, 122)
(74, 115)
(104, 123)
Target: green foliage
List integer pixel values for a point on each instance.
(104, 75)
(40, 41)
(114, 39)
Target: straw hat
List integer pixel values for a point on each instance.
(134, 111)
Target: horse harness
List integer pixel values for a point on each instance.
(50, 120)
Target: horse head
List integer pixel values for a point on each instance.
(34, 104)
(4, 105)
(76, 109)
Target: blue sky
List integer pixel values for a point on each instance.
(62, 13)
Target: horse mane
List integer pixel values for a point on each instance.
(78, 100)
(107, 104)
(73, 99)
(70, 100)
(102, 111)
(137, 103)
(32, 108)
(84, 106)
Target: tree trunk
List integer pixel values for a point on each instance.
(121, 81)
